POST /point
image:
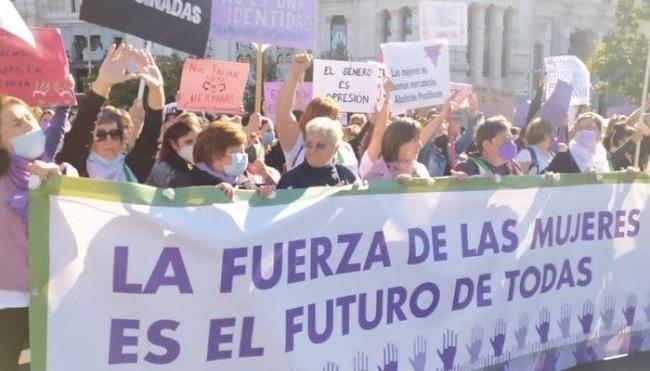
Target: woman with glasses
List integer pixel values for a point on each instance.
(96, 146)
(323, 136)
(496, 151)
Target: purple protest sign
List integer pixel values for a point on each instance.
(272, 90)
(624, 110)
(556, 108)
(280, 23)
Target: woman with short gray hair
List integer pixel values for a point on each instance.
(322, 139)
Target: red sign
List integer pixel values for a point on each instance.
(39, 76)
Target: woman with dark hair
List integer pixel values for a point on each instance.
(96, 146)
(496, 151)
(176, 153)
(586, 152)
(393, 151)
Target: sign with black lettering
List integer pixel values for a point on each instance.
(353, 85)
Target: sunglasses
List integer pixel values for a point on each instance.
(115, 134)
(317, 146)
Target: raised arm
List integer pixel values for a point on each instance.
(379, 126)
(287, 127)
(430, 128)
(141, 159)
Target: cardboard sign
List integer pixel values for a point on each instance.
(353, 85)
(272, 90)
(213, 86)
(570, 69)
(281, 23)
(420, 73)
(179, 24)
(39, 76)
(443, 20)
(496, 101)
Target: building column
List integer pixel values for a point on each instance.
(415, 28)
(477, 34)
(513, 31)
(396, 32)
(379, 30)
(496, 42)
(325, 37)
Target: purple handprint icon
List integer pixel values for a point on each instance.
(522, 331)
(474, 347)
(360, 362)
(499, 339)
(448, 354)
(544, 325)
(331, 366)
(587, 317)
(419, 354)
(630, 309)
(609, 308)
(564, 323)
(390, 358)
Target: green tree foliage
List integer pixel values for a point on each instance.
(620, 58)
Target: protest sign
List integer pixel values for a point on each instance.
(272, 90)
(179, 24)
(132, 280)
(495, 101)
(280, 23)
(353, 85)
(625, 110)
(461, 87)
(213, 86)
(420, 73)
(38, 76)
(440, 20)
(570, 69)
(522, 107)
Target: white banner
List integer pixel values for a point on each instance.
(443, 20)
(420, 73)
(353, 85)
(570, 69)
(340, 277)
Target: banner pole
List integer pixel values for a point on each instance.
(637, 156)
(259, 64)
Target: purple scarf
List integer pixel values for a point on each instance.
(19, 173)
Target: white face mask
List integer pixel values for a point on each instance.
(30, 146)
(187, 153)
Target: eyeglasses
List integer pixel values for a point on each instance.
(115, 134)
(317, 146)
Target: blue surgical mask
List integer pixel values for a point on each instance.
(238, 164)
(30, 146)
(268, 138)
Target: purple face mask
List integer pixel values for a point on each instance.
(587, 138)
(508, 150)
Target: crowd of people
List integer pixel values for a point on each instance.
(166, 148)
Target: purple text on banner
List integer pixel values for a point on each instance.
(280, 23)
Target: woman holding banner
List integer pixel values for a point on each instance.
(96, 146)
(291, 132)
(393, 151)
(25, 160)
(323, 138)
(177, 150)
(496, 151)
(586, 152)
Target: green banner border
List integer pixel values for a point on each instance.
(39, 215)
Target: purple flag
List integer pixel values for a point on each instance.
(521, 112)
(556, 108)
(279, 23)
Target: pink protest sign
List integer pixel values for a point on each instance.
(213, 86)
(272, 90)
(39, 76)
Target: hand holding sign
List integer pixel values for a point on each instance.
(149, 71)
